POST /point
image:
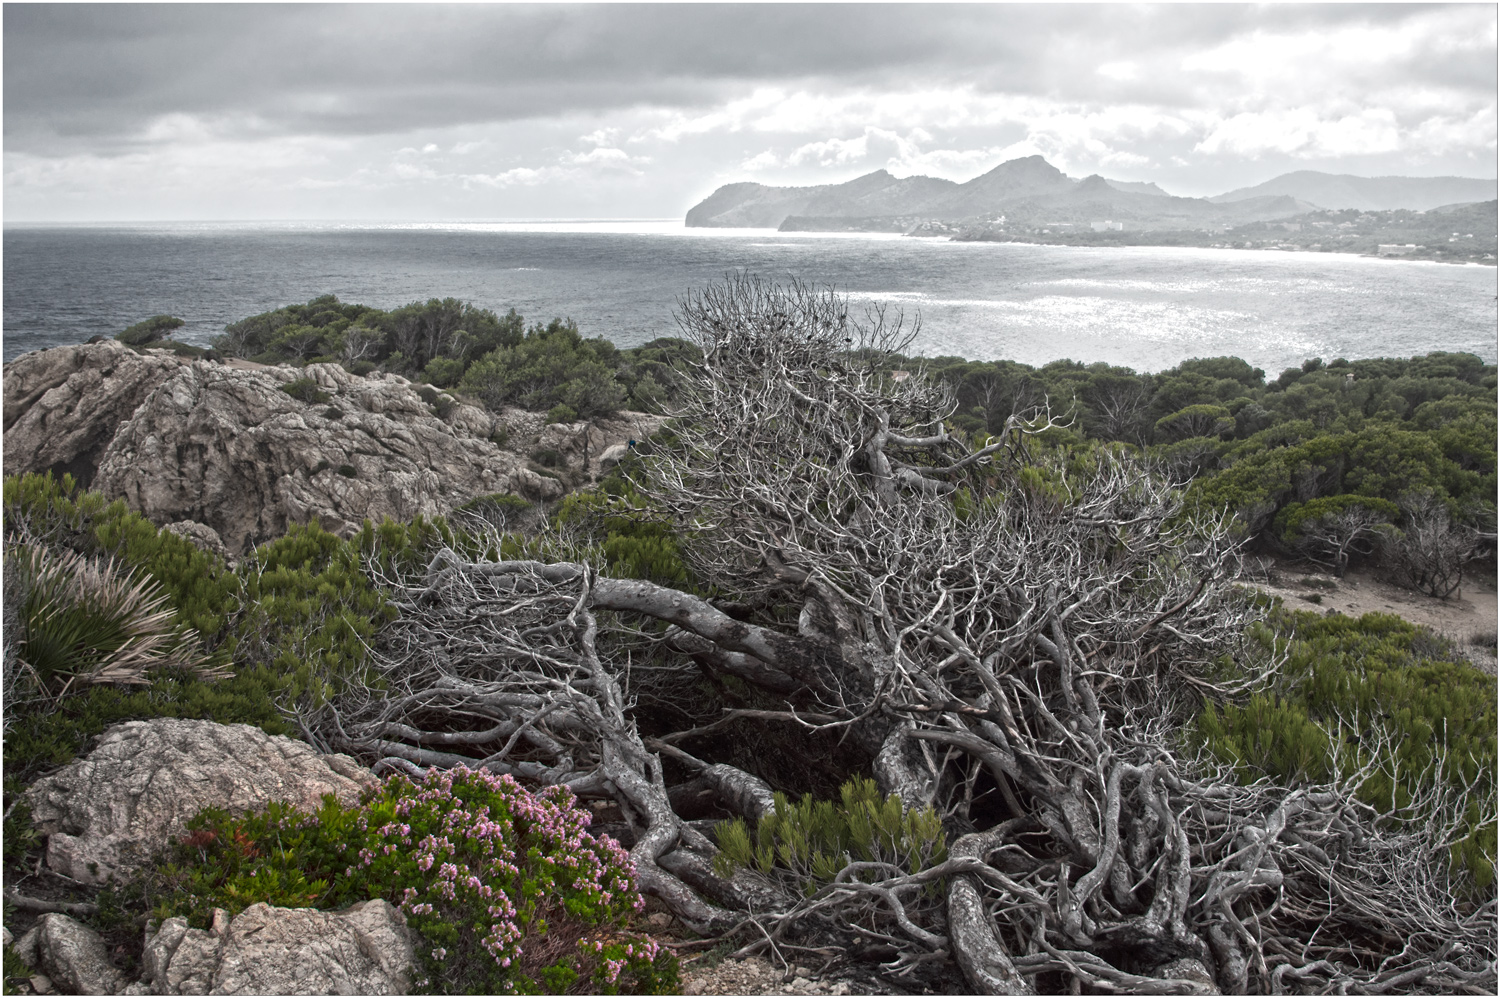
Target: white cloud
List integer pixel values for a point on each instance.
(1444, 134)
(833, 152)
(763, 160)
(601, 137)
(1303, 132)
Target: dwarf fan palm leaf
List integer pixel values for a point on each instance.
(91, 620)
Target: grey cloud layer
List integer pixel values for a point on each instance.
(98, 75)
(414, 111)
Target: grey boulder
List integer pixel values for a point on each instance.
(365, 949)
(73, 957)
(133, 794)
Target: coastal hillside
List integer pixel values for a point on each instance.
(839, 650)
(1030, 200)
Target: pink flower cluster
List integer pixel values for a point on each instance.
(475, 823)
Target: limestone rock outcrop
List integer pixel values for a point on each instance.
(63, 406)
(228, 449)
(134, 793)
(231, 450)
(364, 949)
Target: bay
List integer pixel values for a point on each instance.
(1144, 307)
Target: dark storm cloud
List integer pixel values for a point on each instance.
(96, 75)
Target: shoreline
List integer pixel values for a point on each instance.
(1398, 258)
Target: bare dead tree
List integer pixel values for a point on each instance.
(1001, 620)
(1429, 554)
(1331, 539)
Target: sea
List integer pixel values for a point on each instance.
(1147, 308)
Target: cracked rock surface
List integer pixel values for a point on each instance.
(108, 812)
(226, 448)
(366, 949)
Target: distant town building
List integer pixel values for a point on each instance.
(1108, 226)
(1397, 249)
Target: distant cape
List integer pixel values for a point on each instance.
(1031, 191)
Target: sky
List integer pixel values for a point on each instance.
(119, 112)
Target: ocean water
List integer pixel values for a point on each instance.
(1144, 307)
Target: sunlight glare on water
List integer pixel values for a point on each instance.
(1144, 307)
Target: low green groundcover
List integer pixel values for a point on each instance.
(506, 890)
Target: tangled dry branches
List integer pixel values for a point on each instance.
(986, 621)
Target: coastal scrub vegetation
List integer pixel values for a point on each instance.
(497, 360)
(943, 667)
(505, 889)
(1390, 461)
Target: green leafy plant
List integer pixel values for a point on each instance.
(151, 331)
(634, 544)
(17, 972)
(89, 620)
(1352, 687)
(506, 889)
(295, 621)
(810, 841)
(551, 368)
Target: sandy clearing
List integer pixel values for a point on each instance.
(1469, 613)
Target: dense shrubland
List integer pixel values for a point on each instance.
(496, 360)
(1337, 463)
(1007, 594)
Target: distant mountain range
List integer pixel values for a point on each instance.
(1032, 192)
(1342, 190)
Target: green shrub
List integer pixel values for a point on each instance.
(306, 390)
(634, 545)
(444, 371)
(505, 889)
(811, 841)
(21, 837)
(17, 973)
(333, 413)
(40, 510)
(552, 367)
(150, 331)
(311, 612)
(295, 623)
(1350, 685)
(348, 471)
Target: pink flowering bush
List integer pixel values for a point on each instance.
(505, 890)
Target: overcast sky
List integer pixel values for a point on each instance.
(185, 111)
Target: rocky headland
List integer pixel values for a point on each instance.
(247, 452)
(1029, 200)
